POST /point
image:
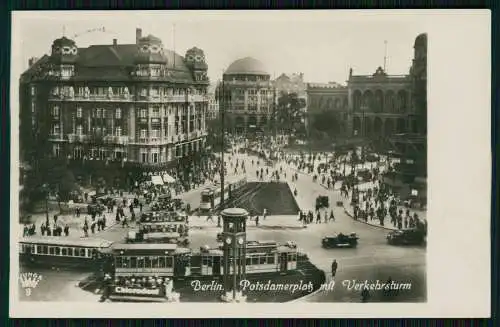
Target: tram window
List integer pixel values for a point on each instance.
(125, 262)
(58, 250)
(248, 261)
(38, 249)
(64, 251)
(255, 260)
(133, 262)
(270, 259)
(118, 262)
(169, 262)
(154, 262)
(147, 262)
(140, 262)
(161, 262)
(45, 249)
(70, 252)
(82, 252)
(262, 260)
(33, 248)
(51, 250)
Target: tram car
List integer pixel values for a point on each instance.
(340, 241)
(161, 227)
(211, 196)
(62, 252)
(173, 261)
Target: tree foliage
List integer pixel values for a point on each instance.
(290, 112)
(328, 122)
(53, 173)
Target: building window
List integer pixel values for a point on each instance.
(98, 113)
(143, 113)
(155, 156)
(56, 129)
(155, 134)
(118, 131)
(56, 150)
(78, 152)
(144, 155)
(33, 91)
(156, 112)
(79, 112)
(79, 130)
(33, 107)
(144, 133)
(118, 113)
(55, 111)
(144, 92)
(155, 91)
(103, 154)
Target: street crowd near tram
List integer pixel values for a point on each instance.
(366, 196)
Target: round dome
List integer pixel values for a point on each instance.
(248, 66)
(421, 40)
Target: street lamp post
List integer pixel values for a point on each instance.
(222, 131)
(46, 194)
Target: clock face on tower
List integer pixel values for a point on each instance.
(228, 240)
(240, 240)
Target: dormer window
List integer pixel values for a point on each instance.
(55, 111)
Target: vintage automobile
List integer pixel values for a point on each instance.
(340, 241)
(412, 236)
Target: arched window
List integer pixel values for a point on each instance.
(356, 100)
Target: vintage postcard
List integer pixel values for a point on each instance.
(250, 164)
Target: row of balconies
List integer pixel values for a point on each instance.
(128, 97)
(124, 140)
(249, 83)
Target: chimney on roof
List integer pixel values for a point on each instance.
(138, 35)
(115, 41)
(31, 61)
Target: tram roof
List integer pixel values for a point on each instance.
(64, 241)
(148, 246)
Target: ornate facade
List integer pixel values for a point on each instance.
(332, 97)
(136, 103)
(380, 104)
(249, 95)
(293, 83)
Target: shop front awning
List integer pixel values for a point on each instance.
(156, 180)
(168, 179)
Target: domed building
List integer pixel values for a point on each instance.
(139, 105)
(249, 96)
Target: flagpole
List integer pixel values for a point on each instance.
(173, 40)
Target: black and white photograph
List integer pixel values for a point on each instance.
(205, 159)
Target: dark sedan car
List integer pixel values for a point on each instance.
(406, 237)
(340, 241)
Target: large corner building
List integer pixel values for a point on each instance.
(249, 94)
(134, 104)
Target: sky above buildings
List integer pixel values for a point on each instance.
(321, 44)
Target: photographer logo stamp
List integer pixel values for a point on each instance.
(29, 281)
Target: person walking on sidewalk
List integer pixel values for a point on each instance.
(334, 268)
(332, 217)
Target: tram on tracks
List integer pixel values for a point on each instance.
(63, 252)
(163, 226)
(211, 196)
(141, 272)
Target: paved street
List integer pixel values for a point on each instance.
(373, 259)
